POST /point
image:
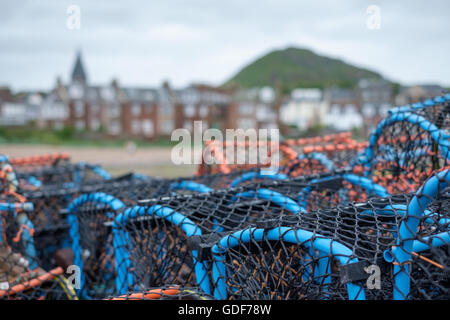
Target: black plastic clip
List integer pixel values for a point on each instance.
(357, 271)
(203, 244)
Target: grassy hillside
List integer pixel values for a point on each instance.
(297, 68)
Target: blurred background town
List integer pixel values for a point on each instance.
(293, 88)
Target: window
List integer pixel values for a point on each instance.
(135, 127)
(189, 110)
(245, 109)
(95, 124)
(203, 111)
(188, 125)
(350, 108)
(166, 126)
(79, 125)
(114, 127)
(369, 110)
(107, 93)
(114, 110)
(335, 109)
(136, 109)
(148, 128)
(79, 109)
(76, 91)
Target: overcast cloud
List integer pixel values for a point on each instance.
(144, 42)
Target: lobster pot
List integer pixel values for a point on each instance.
(51, 228)
(260, 268)
(90, 216)
(49, 216)
(154, 252)
(430, 275)
(322, 158)
(421, 259)
(91, 244)
(65, 175)
(404, 151)
(165, 293)
(24, 165)
(21, 273)
(168, 240)
(316, 255)
(436, 110)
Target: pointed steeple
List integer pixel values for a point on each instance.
(78, 74)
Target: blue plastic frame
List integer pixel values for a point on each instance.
(292, 235)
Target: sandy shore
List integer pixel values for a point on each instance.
(154, 161)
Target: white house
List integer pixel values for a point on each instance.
(304, 109)
(343, 114)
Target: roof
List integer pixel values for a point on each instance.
(141, 94)
(78, 73)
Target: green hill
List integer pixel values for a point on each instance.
(299, 68)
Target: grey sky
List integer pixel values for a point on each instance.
(144, 42)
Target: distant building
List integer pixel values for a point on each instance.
(375, 98)
(418, 93)
(111, 109)
(18, 110)
(148, 113)
(304, 109)
(140, 112)
(344, 112)
(265, 114)
(202, 103)
(252, 108)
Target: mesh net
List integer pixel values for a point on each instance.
(406, 148)
(65, 174)
(27, 164)
(246, 155)
(332, 254)
(22, 275)
(321, 158)
(341, 220)
(165, 293)
(92, 242)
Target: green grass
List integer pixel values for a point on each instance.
(70, 137)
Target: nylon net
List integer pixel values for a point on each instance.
(332, 254)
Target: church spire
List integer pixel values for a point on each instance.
(78, 74)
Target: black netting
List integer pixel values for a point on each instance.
(407, 147)
(66, 174)
(307, 256)
(22, 273)
(340, 220)
(96, 207)
(165, 293)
